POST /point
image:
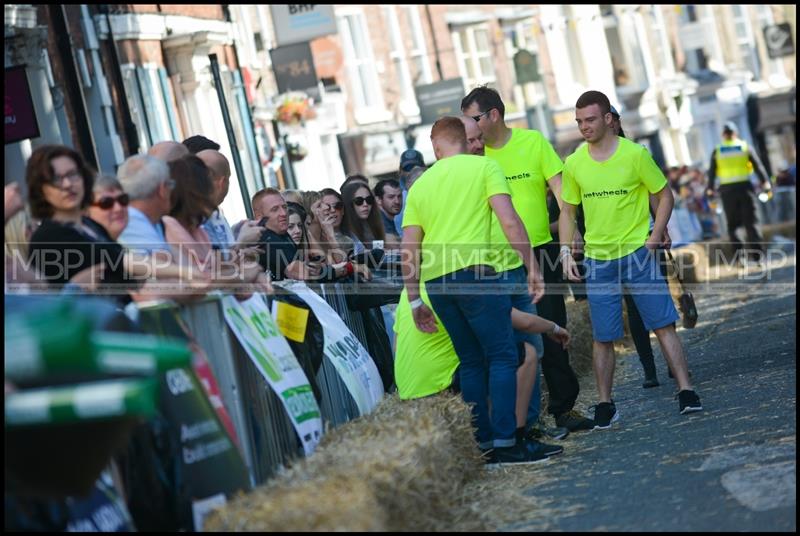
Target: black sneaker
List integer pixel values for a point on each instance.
(539, 432)
(689, 402)
(519, 454)
(605, 413)
(538, 448)
(573, 421)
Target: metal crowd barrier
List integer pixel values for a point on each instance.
(265, 432)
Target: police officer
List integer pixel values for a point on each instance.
(733, 162)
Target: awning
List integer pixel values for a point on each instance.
(775, 109)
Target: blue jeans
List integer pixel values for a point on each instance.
(478, 320)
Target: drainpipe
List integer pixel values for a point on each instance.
(72, 83)
(131, 134)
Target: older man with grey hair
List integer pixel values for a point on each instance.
(146, 180)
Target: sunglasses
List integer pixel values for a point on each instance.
(477, 118)
(336, 206)
(107, 202)
(358, 201)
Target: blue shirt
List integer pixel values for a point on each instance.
(143, 235)
(219, 232)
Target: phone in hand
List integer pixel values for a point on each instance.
(263, 221)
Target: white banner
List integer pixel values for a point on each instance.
(295, 23)
(352, 362)
(258, 334)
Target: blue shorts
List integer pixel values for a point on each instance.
(523, 302)
(638, 272)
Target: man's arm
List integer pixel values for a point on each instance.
(555, 185)
(566, 227)
(663, 211)
(518, 238)
(759, 168)
(410, 248)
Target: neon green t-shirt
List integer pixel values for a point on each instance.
(450, 201)
(528, 162)
(424, 363)
(615, 197)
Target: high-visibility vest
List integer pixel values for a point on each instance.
(733, 162)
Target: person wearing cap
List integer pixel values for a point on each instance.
(412, 165)
(733, 162)
(531, 165)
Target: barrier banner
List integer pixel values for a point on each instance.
(259, 335)
(342, 348)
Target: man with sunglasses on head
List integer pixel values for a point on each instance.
(531, 166)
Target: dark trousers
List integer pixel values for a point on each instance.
(740, 211)
(562, 383)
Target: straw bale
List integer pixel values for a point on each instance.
(402, 467)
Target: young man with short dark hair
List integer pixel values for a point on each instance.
(612, 177)
(389, 196)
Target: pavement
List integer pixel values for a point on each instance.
(730, 467)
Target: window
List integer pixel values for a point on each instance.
(474, 54)
(417, 50)
(398, 55)
(625, 50)
(745, 41)
(147, 89)
(363, 76)
(521, 36)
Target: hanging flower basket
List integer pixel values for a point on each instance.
(295, 108)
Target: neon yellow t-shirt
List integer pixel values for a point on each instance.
(424, 363)
(528, 162)
(450, 201)
(615, 197)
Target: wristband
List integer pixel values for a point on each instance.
(556, 330)
(564, 251)
(416, 304)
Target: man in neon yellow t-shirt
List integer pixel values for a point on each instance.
(446, 230)
(531, 166)
(612, 177)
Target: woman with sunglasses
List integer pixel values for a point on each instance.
(109, 206)
(338, 246)
(361, 221)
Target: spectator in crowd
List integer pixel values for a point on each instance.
(60, 188)
(279, 255)
(192, 204)
(479, 324)
(146, 180)
(389, 196)
(338, 245)
(109, 206)
(294, 196)
(356, 177)
(361, 221)
(198, 143)
(410, 160)
(618, 249)
(297, 226)
(168, 151)
(531, 166)
(220, 233)
(18, 230)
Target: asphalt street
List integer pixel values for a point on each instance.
(730, 467)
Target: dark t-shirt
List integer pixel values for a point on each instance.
(279, 252)
(60, 250)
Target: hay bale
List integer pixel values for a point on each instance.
(580, 327)
(402, 467)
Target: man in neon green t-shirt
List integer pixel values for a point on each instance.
(612, 177)
(530, 166)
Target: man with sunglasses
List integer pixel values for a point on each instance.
(531, 166)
